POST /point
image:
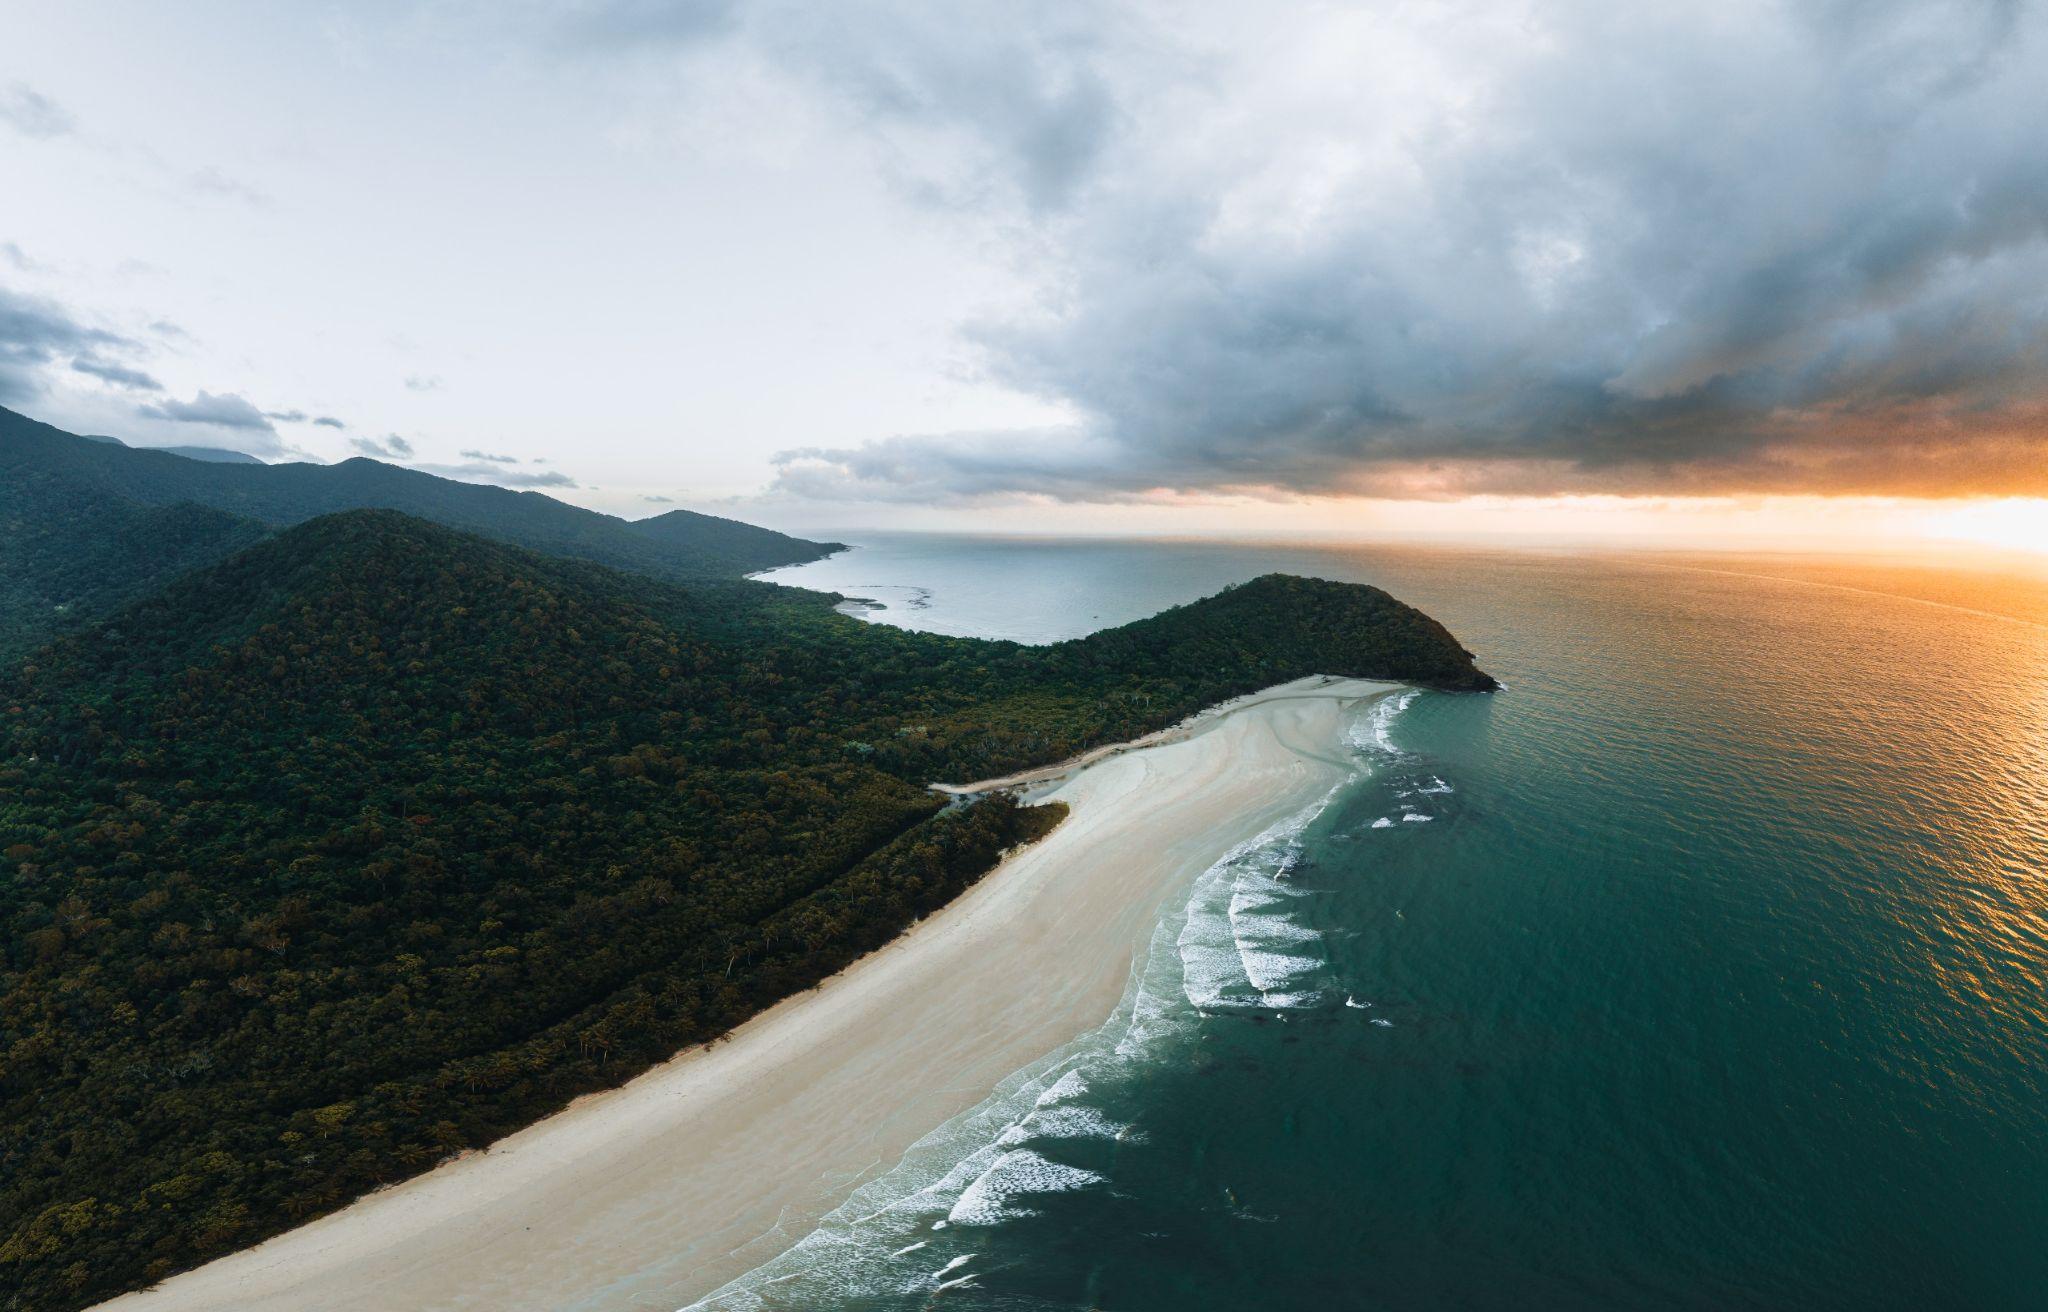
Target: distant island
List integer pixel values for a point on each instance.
(351, 817)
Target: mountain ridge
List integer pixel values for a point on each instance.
(65, 559)
(285, 494)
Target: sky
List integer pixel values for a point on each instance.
(1731, 272)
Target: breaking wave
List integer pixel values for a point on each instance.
(1239, 944)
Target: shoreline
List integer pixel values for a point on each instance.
(654, 1194)
(1315, 685)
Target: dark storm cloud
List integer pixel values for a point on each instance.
(226, 410)
(1469, 248)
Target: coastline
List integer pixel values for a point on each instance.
(1315, 685)
(658, 1192)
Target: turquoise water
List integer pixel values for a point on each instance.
(1704, 967)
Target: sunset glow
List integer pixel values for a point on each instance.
(1826, 524)
(2013, 524)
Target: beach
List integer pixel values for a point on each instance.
(655, 1193)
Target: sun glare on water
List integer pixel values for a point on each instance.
(2015, 524)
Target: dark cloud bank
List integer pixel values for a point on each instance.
(36, 333)
(1709, 248)
(222, 411)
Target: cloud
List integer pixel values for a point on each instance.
(480, 472)
(212, 182)
(658, 500)
(533, 479)
(390, 447)
(38, 335)
(17, 257)
(120, 375)
(1434, 250)
(631, 24)
(226, 410)
(33, 114)
(423, 382)
(36, 332)
(476, 466)
(296, 416)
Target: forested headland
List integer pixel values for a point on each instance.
(374, 841)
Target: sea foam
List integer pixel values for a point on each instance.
(1017, 1172)
(1237, 944)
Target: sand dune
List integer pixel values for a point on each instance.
(651, 1195)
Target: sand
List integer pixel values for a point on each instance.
(653, 1194)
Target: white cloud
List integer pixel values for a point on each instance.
(33, 114)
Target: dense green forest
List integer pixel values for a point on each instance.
(375, 841)
(87, 523)
(69, 555)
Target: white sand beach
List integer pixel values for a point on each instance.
(651, 1195)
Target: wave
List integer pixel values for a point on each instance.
(1019, 1171)
(1237, 944)
(1374, 732)
(1239, 947)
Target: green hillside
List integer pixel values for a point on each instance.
(214, 454)
(758, 548)
(686, 545)
(376, 841)
(69, 554)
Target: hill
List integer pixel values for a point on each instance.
(69, 554)
(376, 841)
(687, 546)
(708, 535)
(218, 455)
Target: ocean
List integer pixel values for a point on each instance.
(1706, 966)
